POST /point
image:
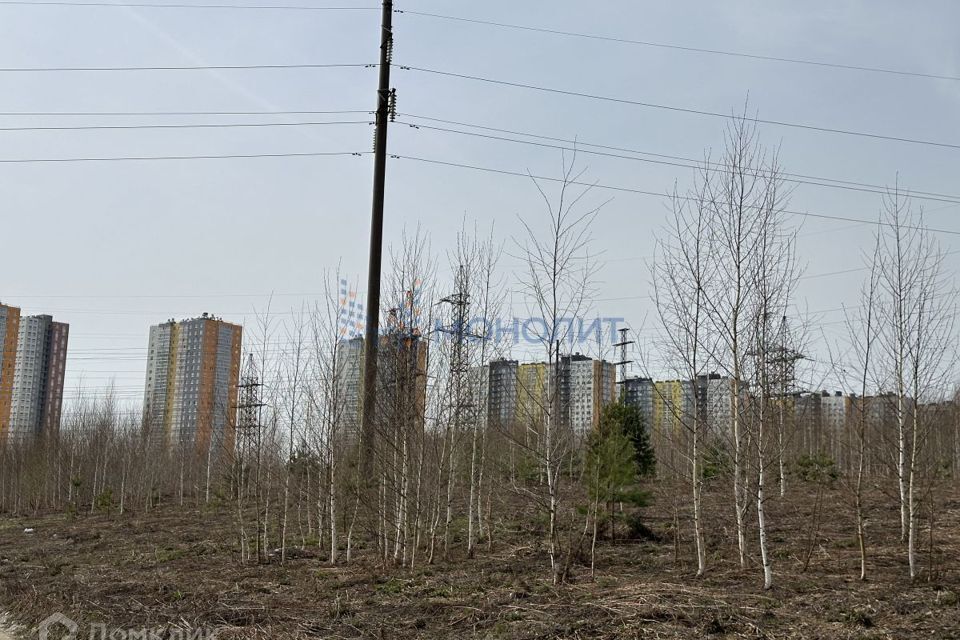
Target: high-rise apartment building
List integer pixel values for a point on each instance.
(501, 398)
(9, 326)
(820, 424)
(401, 381)
(585, 387)
(478, 392)
(193, 368)
(638, 392)
(346, 404)
(673, 407)
(834, 410)
(533, 393)
(33, 363)
(717, 396)
(520, 395)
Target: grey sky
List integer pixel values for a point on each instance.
(134, 243)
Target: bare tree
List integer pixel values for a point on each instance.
(752, 254)
(735, 191)
(328, 397)
(402, 389)
(931, 348)
(899, 274)
(863, 331)
(489, 302)
(557, 280)
(774, 274)
(682, 279)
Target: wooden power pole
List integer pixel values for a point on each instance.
(371, 335)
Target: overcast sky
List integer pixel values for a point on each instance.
(113, 247)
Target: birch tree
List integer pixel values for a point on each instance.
(735, 190)
(774, 274)
(931, 348)
(557, 280)
(863, 329)
(682, 280)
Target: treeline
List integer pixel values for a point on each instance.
(436, 478)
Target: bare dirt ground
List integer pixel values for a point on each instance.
(5, 636)
(179, 568)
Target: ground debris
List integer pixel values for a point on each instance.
(179, 567)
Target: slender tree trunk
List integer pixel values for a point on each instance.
(334, 537)
(912, 516)
(761, 515)
(858, 497)
(780, 427)
(471, 511)
(902, 460)
(206, 493)
(697, 503)
(738, 479)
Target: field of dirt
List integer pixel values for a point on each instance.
(177, 569)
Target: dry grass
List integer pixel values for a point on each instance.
(177, 568)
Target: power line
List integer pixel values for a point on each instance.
(232, 156)
(650, 256)
(167, 313)
(281, 314)
(206, 125)
(597, 185)
(503, 25)
(796, 177)
(155, 5)
(852, 270)
(832, 273)
(174, 113)
(810, 180)
(275, 347)
(186, 68)
(664, 45)
(267, 294)
(321, 295)
(663, 107)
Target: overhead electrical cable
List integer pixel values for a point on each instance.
(98, 114)
(205, 125)
(597, 185)
(676, 109)
(691, 49)
(698, 161)
(159, 5)
(229, 156)
(687, 163)
(214, 67)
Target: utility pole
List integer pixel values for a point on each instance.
(623, 344)
(371, 336)
(459, 364)
(784, 368)
(459, 370)
(249, 432)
